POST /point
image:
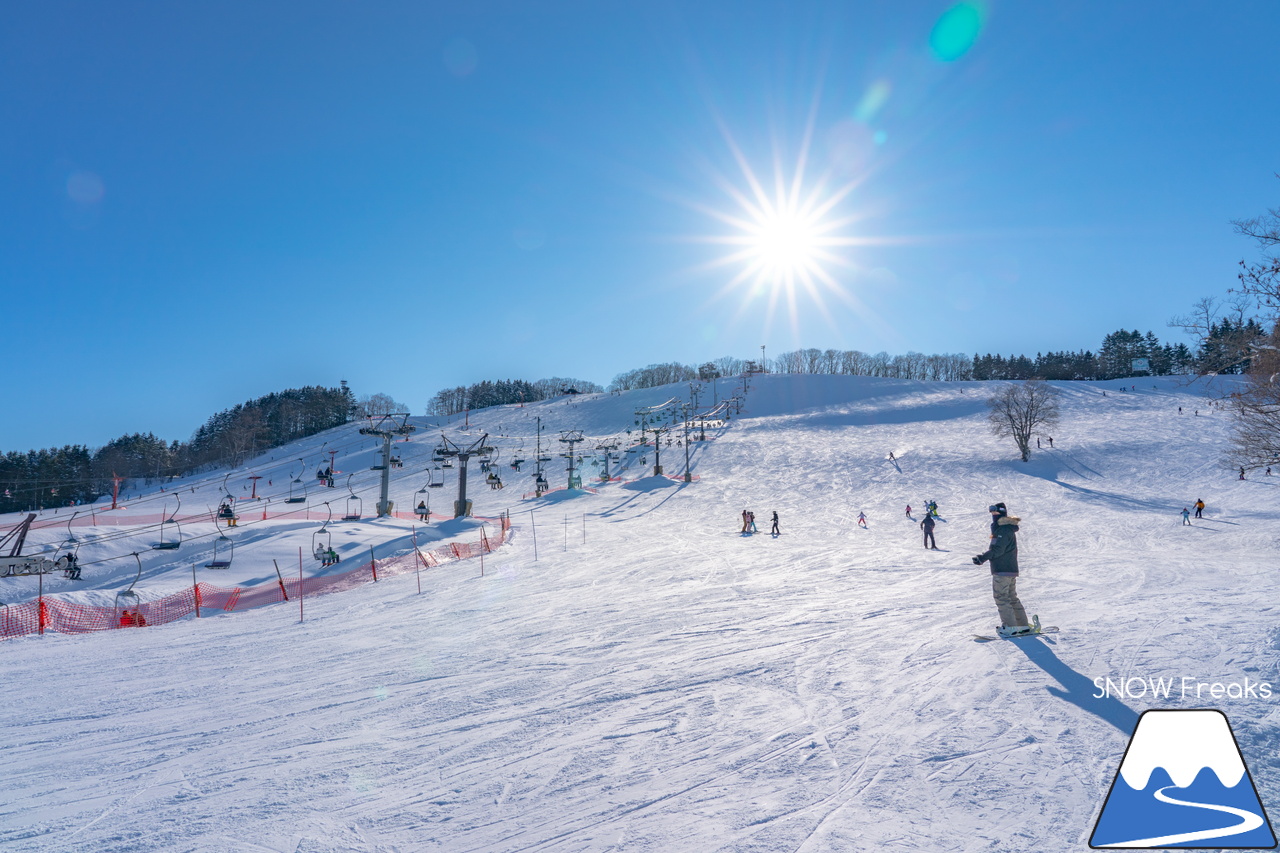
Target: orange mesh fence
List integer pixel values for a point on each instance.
(246, 511)
(52, 614)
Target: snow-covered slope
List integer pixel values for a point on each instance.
(633, 674)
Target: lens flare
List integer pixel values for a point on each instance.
(956, 31)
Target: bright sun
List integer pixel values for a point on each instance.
(785, 240)
(785, 243)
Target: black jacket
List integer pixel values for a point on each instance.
(1003, 552)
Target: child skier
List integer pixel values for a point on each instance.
(862, 520)
(1003, 555)
(1186, 516)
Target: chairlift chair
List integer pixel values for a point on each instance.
(127, 612)
(322, 539)
(227, 511)
(540, 483)
(297, 488)
(355, 505)
(224, 550)
(423, 509)
(166, 544)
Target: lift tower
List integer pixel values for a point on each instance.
(572, 437)
(387, 427)
(447, 448)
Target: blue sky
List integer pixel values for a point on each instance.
(202, 203)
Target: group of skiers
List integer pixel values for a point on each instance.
(1001, 553)
(1186, 514)
(749, 523)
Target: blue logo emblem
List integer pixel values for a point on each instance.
(1183, 783)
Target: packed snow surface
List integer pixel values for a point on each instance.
(631, 673)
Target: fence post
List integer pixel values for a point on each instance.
(195, 588)
(40, 615)
(374, 564)
(300, 591)
(534, 526)
(417, 559)
(280, 580)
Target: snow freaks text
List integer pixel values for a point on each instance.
(1185, 687)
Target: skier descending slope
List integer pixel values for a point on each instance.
(1003, 554)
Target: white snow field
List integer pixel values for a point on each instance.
(669, 684)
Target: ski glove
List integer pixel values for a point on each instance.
(979, 560)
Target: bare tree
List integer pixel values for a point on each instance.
(1225, 334)
(1261, 280)
(380, 404)
(1021, 410)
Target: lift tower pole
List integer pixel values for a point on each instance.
(572, 437)
(479, 447)
(387, 428)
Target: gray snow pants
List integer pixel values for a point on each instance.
(1005, 589)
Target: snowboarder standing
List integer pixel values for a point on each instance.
(927, 526)
(1199, 508)
(1186, 516)
(1003, 555)
(775, 531)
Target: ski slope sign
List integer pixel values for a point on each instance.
(1183, 783)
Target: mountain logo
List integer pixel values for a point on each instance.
(1183, 783)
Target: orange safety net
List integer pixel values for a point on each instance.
(52, 614)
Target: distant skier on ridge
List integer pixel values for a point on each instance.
(1003, 554)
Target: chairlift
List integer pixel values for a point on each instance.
(227, 511)
(355, 505)
(540, 483)
(322, 539)
(170, 544)
(494, 481)
(297, 488)
(397, 462)
(223, 550)
(447, 463)
(423, 509)
(575, 482)
(127, 611)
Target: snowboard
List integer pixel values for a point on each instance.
(1037, 629)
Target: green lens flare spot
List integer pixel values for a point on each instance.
(956, 31)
